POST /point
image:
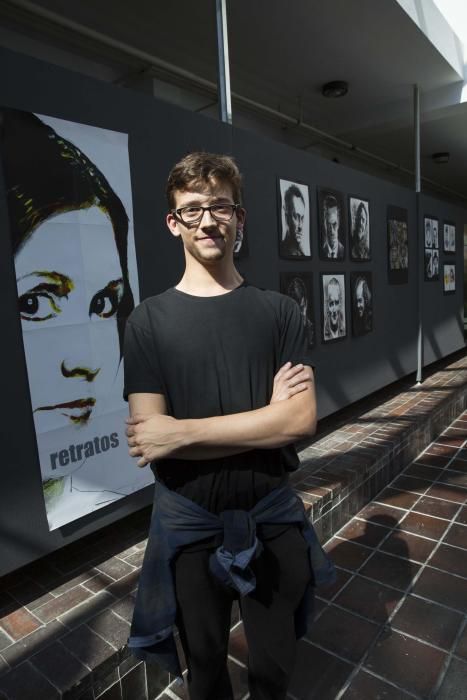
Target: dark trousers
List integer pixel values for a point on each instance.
(204, 609)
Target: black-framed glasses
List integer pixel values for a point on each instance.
(194, 214)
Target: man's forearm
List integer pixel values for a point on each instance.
(290, 416)
(270, 427)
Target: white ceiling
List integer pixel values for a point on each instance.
(282, 51)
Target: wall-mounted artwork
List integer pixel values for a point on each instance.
(332, 225)
(333, 317)
(449, 237)
(71, 221)
(398, 245)
(359, 217)
(294, 220)
(449, 276)
(299, 286)
(431, 231)
(361, 288)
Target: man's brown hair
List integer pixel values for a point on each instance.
(196, 170)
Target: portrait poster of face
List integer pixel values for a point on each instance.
(299, 286)
(71, 223)
(333, 307)
(332, 224)
(361, 289)
(359, 216)
(398, 245)
(449, 237)
(294, 220)
(449, 276)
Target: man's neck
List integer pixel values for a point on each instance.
(209, 280)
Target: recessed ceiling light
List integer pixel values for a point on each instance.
(441, 157)
(336, 88)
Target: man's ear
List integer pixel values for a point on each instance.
(173, 225)
(241, 216)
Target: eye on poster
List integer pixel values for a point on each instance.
(71, 222)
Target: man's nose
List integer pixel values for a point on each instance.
(211, 219)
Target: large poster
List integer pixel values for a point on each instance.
(71, 221)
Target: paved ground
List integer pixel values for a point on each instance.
(395, 624)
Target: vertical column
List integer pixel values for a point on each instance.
(225, 103)
(419, 257)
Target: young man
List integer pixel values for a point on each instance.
(219, 382)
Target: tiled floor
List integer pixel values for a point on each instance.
(394, 625)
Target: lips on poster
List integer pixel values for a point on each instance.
(71, 222)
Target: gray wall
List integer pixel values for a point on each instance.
(158, 135)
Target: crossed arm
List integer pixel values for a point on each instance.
(290, 416)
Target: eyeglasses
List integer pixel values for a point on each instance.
(193, 215)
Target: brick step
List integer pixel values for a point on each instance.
(64, 619)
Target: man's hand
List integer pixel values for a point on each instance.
(153, 437)
(291, 380)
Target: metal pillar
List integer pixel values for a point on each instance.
(223, 68)
(419, 257)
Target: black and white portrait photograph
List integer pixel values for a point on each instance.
(361, 289)
(333, 307)
(449, 274)
(428, 233)
(431, 264)
(300, 288)
(332, 225)
(449, 237)
(431, 225)
(359, 217)
(398, 245)
(294, 220)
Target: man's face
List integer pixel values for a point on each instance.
(334, 305)
(207, 241)
(360, 299)
(294, 217)
(332, 226)
(361, 225)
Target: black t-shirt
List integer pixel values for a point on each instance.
(212, 356)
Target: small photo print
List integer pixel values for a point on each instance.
(431, 264)
(449, 274)
(300, 288)
(431, 225)
(398, 246)
(294, 220)
(362, 302)
(333, 307)
(359, 216)
(449, 237)
(332, 225)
